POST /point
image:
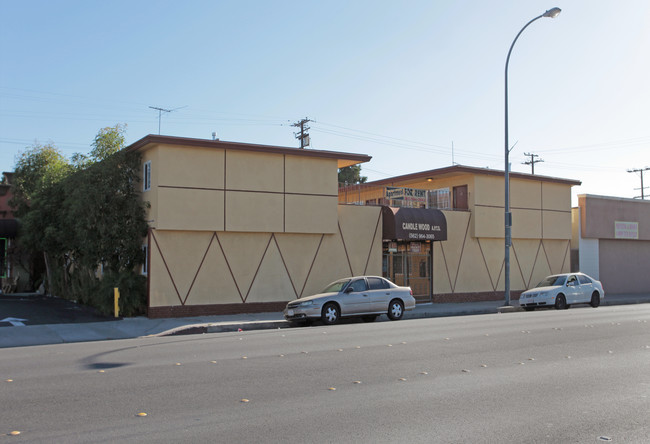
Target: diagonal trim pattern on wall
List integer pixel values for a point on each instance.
(199, 269)
(229, 267)
(365, 270)
(162, 256)
(258, 267)
(284, 263)
(347, 256)
(269, 254)
(311, 266)
(528, 250)
(462, 250)
(494, 288)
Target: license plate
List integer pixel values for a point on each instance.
(289, 312)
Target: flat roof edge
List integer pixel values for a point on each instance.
(625, 199)
(461, 169)
(153, 139)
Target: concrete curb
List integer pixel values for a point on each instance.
(274, 325)
(227, 327)
(224, 328)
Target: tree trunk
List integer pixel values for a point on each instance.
(48, 287)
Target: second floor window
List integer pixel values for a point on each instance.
(439, 199)
(145, 264)
(146, 176)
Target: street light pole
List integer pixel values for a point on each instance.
(552, 13)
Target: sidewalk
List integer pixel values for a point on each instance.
(142, 327)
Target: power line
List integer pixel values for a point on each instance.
(640, 170)
(532, 161)
(303, 135)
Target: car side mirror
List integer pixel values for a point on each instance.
(349, 290)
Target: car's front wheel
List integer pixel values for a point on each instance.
(395, 310)
(560, 302)
(330, 314)
(595, 299)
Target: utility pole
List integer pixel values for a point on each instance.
(640, 170)
(532, 161)
(163, 110)
(303, 135)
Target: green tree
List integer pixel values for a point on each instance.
(351, 175)
(37, 168)
(88, 221)
(108, 141)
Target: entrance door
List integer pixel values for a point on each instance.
(460, 198)
(419, 279)
(410, 270)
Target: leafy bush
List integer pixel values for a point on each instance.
(90, 224)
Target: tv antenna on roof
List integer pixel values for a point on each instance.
(161, 110)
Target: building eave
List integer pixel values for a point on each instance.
(343, 159)
(458, 170)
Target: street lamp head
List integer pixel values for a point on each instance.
(552, 13)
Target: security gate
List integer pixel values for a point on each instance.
(410, 270)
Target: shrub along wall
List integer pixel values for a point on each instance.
(90, 227)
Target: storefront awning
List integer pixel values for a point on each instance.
(414, 224)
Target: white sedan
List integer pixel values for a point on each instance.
(563, 290)
(364, 296)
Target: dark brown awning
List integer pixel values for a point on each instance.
(414, 224)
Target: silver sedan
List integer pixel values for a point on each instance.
(364, 296)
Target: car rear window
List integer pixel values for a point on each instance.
(376, 283)
(584, 279)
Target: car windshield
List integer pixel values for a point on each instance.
(336, 287)
(552, 281)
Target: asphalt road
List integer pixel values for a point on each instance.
(576, 376)
(34, 309)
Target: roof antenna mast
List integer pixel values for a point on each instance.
(163, 110)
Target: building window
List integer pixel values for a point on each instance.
(146, 176)
(145, 263)
(439, 199)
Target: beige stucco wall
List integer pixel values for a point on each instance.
(540, 210)
(467, 264)
(217, 267)
(192, 209)
(150, 196)
(556, 196)
(185, 166)
(254, 171)
(211, 189)
(309, 175)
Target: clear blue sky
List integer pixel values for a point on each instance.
(400, 81)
